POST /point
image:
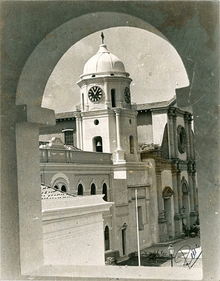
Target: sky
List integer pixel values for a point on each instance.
(153, 64)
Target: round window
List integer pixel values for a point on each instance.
(181, 139)
(96, 121)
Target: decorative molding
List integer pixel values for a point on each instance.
(178, 216)
(162, 217)
(167, 192)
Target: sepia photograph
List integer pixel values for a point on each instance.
(110, 140)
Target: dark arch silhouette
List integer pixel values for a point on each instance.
(80, 189)
(107, 239)
(104, 191)
(93, 189)
(131, 143)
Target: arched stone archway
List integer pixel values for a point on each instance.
(191, 27)
(48, 52)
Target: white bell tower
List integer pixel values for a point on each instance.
(107, 122)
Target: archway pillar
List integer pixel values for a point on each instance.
(30, 119)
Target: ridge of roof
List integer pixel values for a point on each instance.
(158, 104)
(48, 192)
(69, 114)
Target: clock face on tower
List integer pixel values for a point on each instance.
(95, 93)
(127, 95)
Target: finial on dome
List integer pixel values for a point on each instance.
(103, 37)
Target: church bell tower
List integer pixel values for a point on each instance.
(107, 122)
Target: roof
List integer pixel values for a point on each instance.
(52, 193)
(65, 115)
(154, 105)
(103, 62)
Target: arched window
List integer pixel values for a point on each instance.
(104, 191)
(131, 141)
(113, 97)
(107, 240)
(80, 189)
(93, 189)
(63, 188)
(97, 144)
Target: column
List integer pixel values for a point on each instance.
(191, 187)
(107, 95)
(120, 157)
(117, 112)
(177, 216)
(191, 140)
(175, 140)
(191, 190)
(159, 194)
(170, 130)
(186, 118)
(163, 233)
(196, 202)
(175, 190)
(179, 188)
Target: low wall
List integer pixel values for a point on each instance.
(73, 230)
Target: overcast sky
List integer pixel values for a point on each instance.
(154, 66)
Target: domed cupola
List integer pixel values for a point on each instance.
(104, 83)
(103, 63)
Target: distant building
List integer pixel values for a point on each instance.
(116, 148)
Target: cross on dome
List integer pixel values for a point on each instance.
(103, 63)
(103, 37)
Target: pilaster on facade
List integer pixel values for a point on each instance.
(196, 201)
(186, 123)
(161, 212)
(190, 119)
(179, 188)
(189, 135)
(191, 188)
(78, 129)
(171, 115)
(175, 137)
(175, 190)
(118, 129)
(177, 201)
(120, 156)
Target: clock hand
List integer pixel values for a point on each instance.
(95, 93)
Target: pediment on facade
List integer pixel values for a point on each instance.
(167, 192)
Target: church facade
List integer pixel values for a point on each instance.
(140, 157)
